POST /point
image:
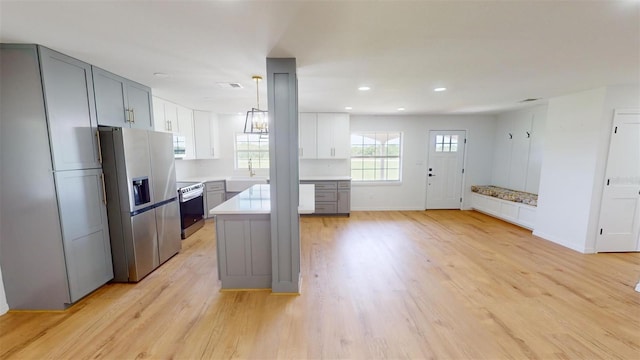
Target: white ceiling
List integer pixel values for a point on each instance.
(489, 54)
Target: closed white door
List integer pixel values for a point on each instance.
(620, 209)
(445, 169)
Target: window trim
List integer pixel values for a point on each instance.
(399, 157)
(236, 151)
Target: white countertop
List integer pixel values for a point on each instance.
(202, 179)
(325, 178)
(257, 200)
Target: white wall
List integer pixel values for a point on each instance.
(411, 193)
(504, 165)
(618, 97)
(572, 174)
(228, 125)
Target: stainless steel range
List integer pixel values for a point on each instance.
(191, 198)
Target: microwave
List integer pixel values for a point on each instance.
(179, 147)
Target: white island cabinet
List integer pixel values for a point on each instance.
(243, 233)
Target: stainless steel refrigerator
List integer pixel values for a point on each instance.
(142, 205)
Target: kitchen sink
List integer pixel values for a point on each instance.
(242, 183)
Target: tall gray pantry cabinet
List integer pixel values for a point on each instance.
(54, 239)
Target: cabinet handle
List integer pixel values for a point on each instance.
(528, 135)
(126, 115)
(133, 116)
(104, 189)
(510, 136)
(99, 147)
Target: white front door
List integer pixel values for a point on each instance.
(445, 169)
(620, 210)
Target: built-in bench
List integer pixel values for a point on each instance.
(517, 207)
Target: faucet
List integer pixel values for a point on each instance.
(251, 171)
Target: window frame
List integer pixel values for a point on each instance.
(262, 141)
(373, 134)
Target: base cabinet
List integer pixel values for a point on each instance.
(244, 251)
(332, 197)
(215, 196)
(513, 212)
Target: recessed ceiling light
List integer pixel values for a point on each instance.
(440, 89)
(348, 108)
(400, 109)
(161, 75)
(364, 88)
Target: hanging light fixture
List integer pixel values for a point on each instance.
(257, 121)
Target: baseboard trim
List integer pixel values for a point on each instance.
(559, 241)
(4, 308)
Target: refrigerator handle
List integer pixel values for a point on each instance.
(99, 147)
(104, 190)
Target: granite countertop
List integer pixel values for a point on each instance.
(257, 200)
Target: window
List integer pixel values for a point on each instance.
(254, 147)
(375, 156)
(446, 143)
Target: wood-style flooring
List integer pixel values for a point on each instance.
(410, 284)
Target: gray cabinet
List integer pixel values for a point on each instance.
(244, 251)
(344, 197)
(332, 197)
(55, 240)
(121, 102)
(85, 233)
(215, 195)
(71, 112)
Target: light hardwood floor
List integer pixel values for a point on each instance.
(421, 285)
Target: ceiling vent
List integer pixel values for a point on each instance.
(230, 85)
(529, 100)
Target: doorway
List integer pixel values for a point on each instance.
(619, 226)
(445, 169)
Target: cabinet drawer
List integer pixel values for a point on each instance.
(344, 185)
(326, 185)
(326, 208)
(215, 186)
(326, 196)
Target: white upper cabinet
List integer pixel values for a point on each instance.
(307, 139)
(159, 123)
(331, 135)
(206, 135)
(121, 102)
(185, 128)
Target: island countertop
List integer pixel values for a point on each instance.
(257, 200)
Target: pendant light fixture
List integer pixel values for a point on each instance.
(257, 121)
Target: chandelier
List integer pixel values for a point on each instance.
(257, 121)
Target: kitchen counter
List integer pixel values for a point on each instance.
(257, 200)
(325, 178)
(243, 236)
(201, 179)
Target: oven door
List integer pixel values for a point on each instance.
(191, 211)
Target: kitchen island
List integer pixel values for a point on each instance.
(243, 236)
